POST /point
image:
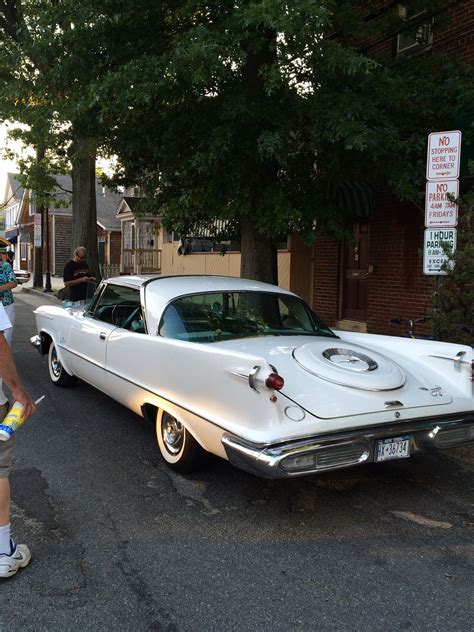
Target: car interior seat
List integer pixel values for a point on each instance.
(138, 326)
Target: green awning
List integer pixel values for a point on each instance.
(355, 199)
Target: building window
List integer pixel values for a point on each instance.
(127, 236)
(11, 216)
(418, 34)
(23, 251)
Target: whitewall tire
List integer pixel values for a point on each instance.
(178, 447)
(58, 374)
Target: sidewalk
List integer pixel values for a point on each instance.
(56, 284)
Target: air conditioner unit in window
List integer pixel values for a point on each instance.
(417, 36)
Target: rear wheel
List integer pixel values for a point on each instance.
(58, 374)
(178, 447)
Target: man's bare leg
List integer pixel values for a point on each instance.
(4, 502)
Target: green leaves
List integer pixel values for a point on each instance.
(224, 109)
(452, 317)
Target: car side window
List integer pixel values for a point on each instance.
(89, 311)
(120, 306)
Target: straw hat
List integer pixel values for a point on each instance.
(4, 245)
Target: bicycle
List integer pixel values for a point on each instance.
(411, 322)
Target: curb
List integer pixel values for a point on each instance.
(49, 296)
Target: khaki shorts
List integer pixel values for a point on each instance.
(6, 448)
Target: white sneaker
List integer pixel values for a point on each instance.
(9, 564)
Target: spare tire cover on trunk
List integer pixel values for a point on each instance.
(349, 364)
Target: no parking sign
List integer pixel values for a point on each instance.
(442, 189)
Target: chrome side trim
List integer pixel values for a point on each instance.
(252, 375)
(392, 403)
(43, 315)
(147, 390)
(456, 359)
(83, 357)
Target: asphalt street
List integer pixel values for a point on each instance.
(120, 542)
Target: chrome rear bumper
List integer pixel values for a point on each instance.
(345, 449)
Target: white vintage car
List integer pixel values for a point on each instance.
(246, 371)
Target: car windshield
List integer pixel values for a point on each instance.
(221, 316)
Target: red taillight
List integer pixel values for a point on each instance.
(275, 381)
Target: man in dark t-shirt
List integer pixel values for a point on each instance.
(77, 275)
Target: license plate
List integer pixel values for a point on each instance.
(393, 448)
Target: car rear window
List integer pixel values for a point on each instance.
(221, 316)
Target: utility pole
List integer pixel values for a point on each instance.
(38, 262)
(47, 287)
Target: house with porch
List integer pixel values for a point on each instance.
(147, 247)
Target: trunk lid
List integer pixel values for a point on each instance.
(331, 378)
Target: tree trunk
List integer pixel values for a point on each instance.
(258, 255)
(82, 154)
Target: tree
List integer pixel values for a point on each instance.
(452, 315)
(259, 111)
(46, 67)
(59, 54)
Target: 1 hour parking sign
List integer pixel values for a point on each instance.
(439, 243)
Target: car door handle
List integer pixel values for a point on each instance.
(102, 335)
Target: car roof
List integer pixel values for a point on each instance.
(160, 289)
(177, 285)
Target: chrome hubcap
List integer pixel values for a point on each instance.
(172, 432)
(55, 364)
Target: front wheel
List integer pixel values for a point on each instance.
(58, 374)
(178, 447)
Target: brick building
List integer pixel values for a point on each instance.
(60, 229)
(362, 284)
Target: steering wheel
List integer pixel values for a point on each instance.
(127, 322)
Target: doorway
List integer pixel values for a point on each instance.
(354, 277)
